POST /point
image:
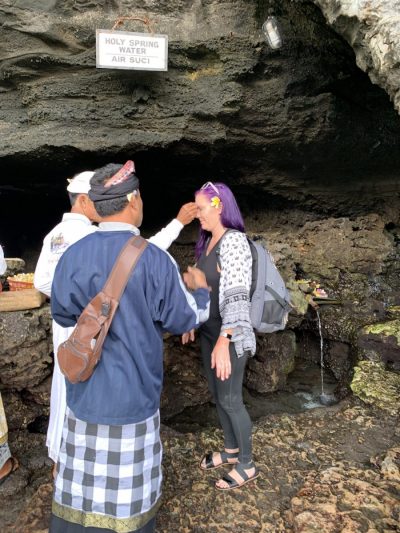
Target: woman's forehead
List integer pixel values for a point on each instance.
(201, 199)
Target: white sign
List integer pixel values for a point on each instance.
(133, 51)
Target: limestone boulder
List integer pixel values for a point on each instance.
(20, 412)
(25, 348)
(377, 386)
(184, 381)
(267, 371)
(381, 342)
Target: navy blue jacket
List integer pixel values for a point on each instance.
(125, 386)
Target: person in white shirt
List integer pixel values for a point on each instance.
(3, 264)
(73, 227)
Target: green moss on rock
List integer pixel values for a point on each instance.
(394, 311)
(297, 297)
(388, 329)
(376, 386)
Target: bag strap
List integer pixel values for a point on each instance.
(103, 308)
(281, 301)
(124, 266)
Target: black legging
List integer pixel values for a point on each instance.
(227, 394)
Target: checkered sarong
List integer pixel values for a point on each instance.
(109, 476)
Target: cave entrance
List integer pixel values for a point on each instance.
(33, 196)
(33, 192)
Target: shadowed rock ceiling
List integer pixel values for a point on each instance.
(300, 126)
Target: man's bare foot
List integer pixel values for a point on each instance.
(217, 459)
(8, 468)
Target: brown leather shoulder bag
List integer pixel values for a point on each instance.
(81, 352)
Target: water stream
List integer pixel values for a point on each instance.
(324, 398)
(322, 352)
(309, 386)
(302, 392)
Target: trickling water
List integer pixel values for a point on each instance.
(322, 352)
(325, 399)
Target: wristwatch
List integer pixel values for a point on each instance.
(226, 335)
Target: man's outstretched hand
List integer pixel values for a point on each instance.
(187, 213)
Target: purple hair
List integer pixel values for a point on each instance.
(231, 217)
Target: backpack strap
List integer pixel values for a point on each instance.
(286, 305)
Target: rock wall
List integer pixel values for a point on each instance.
(311, 149)
(372, 28)
(309, 145)
(302, 123)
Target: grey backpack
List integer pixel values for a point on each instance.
(269, 297)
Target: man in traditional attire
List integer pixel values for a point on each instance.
(109, 466)
(74, 226)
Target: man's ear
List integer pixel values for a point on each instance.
(132, 200)
(83, 199)
(80, 201)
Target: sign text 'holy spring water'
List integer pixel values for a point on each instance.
(133, 51)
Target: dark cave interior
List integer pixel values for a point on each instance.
(37, 197)
(33, 196)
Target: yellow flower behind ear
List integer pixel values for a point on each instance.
(215, 201)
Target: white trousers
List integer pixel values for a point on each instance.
(58, 401)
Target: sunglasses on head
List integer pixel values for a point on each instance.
(209, 184)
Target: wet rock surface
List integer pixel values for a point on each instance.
(21, 486)
(322, 470)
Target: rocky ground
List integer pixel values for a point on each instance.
(333, 469)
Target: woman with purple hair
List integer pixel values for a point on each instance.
(227, 338)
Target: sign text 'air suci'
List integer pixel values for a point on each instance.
(134, 51)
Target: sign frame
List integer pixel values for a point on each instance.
(129, 34)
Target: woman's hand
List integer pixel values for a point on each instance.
(221, 359)
(188, 337)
